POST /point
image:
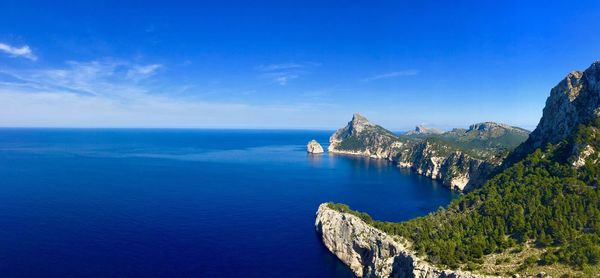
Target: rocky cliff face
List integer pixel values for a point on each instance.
(454, 168)
(314, 147)
(573, 102)
(361, 137)
(437, 157)
(371, 253)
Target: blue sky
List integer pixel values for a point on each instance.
(287, 64)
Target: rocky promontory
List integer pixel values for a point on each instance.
(370, 252)
(461, 158)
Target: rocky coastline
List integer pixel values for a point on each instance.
(369, 252)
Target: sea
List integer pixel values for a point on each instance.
(185, 202)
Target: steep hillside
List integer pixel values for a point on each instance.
(574, 101)
(542, 212)
(461, 159)
(486, 137)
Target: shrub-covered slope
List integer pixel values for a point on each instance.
(542, 212)
(460, 158)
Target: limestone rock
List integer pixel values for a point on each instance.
(370, 252)
(574, 101)
(430, 158)
(314, 147)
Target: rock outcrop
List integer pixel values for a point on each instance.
(439, 156)
(361, 137)
(574, 101)
(370, 252)
(421, 130)
(314, 147)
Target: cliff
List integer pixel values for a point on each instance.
(574, 101)
(537, 215)
(370, 252)
(461, 159)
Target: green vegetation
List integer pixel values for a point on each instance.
(540, 201)
(352, 143)
(487, 144)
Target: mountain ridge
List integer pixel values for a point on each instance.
(538, 215)
(460, 158)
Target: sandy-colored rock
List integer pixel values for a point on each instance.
(369, 252)
(314, 147)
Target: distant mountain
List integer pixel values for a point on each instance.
(362, 137)
(459, 158)
(486, 137)
(421, 130)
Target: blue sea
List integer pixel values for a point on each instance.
(185, 203)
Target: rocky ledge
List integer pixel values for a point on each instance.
(314, 147)
(370, 252)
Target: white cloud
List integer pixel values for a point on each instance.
(281, 78)
(283, 73)
(103, 93)
(99, 77)
(283, 66)
(23, 51)
(140, 72)
(391, 74)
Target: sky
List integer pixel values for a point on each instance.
(287, 64)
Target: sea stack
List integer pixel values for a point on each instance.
(314, 147)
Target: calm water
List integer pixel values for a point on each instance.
(184, 203)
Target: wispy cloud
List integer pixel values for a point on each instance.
(24, 51)
(115, 93)
(283, 73)
(142, 71)
(281, 78)
(283, 66)
(98, 77)
(391, 75)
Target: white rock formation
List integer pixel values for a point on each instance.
(370, 252)
(314, 147)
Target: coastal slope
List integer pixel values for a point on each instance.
(369, 252)
(539, 215)
(461, 158)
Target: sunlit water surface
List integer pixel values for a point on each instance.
(184, 203)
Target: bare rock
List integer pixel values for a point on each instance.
(314, 147)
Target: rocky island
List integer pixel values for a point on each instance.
(460, 158)
(538, 215)
(314, 147)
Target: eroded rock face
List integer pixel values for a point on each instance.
(455, 169)
(314, 147)
(361, 137)
(574, 101)
(370, 252)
